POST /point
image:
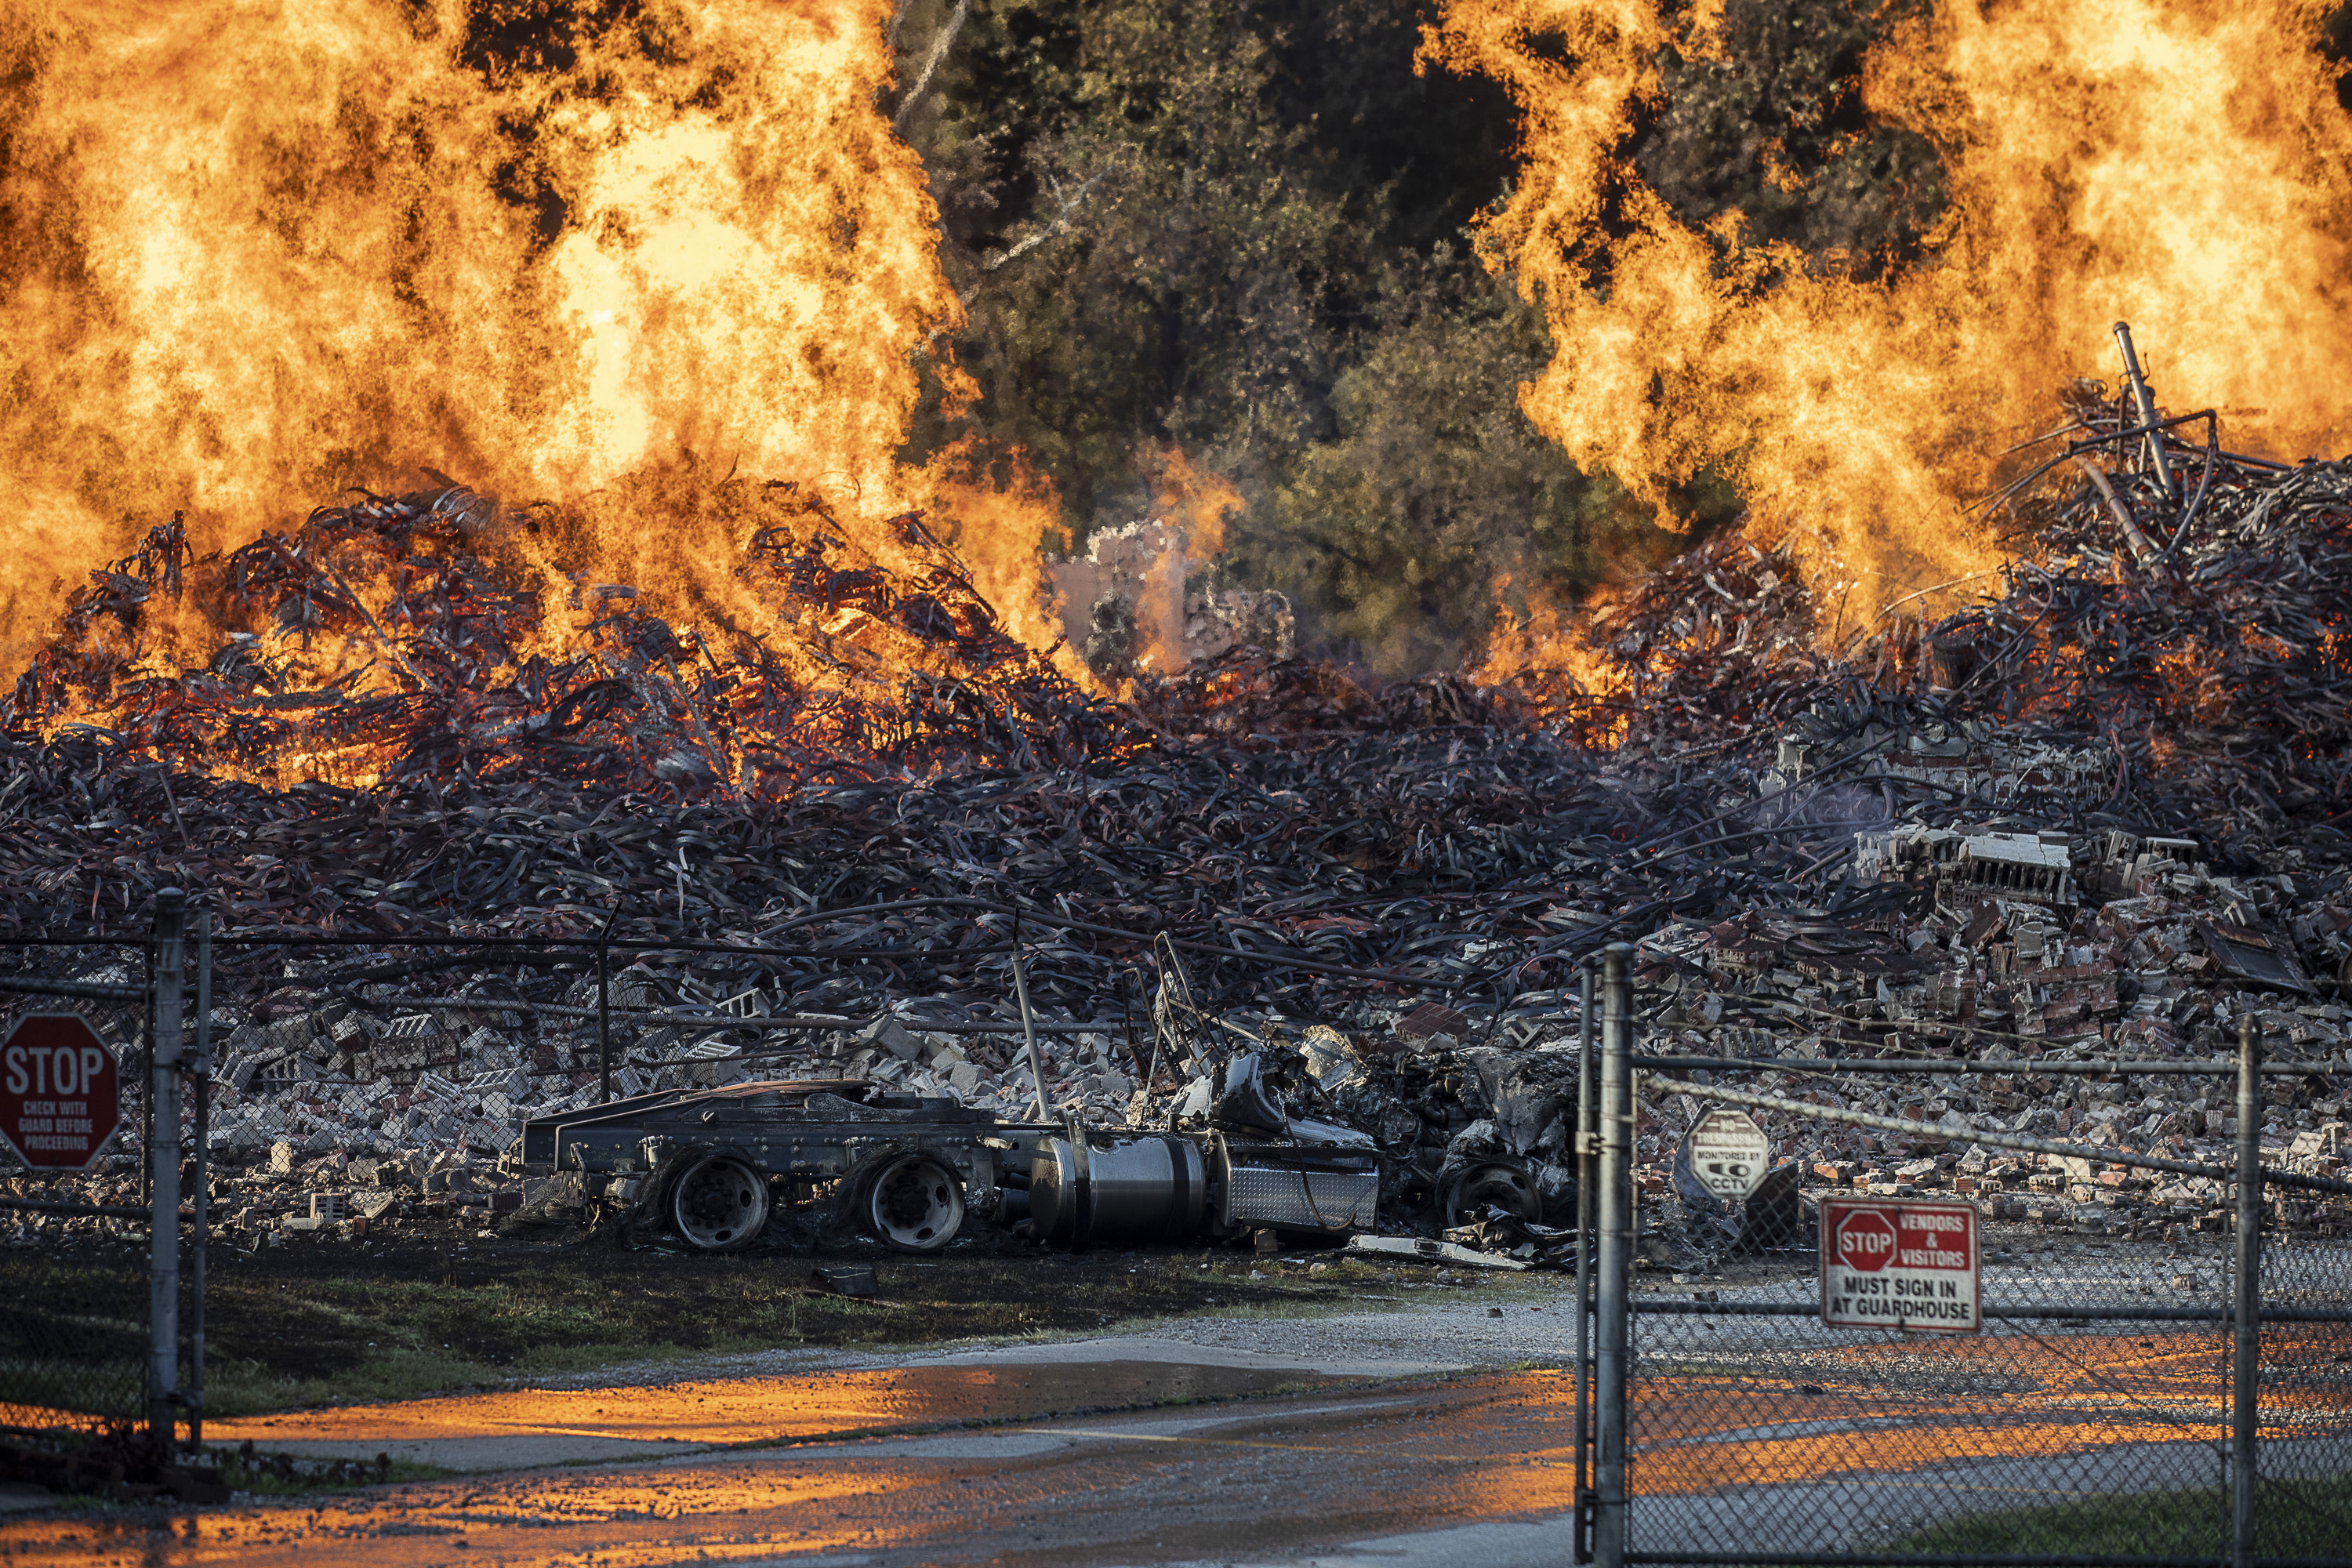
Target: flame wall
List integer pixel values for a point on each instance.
(251, 253)
(2178, 165)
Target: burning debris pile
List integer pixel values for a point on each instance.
(2182, 605)
(437, 636)
(2090, 818)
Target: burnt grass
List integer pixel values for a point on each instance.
(318, 1322)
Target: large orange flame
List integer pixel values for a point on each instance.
(250, 255)
(2182, 166)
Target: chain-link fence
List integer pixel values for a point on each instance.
(73, 1344)
(78, 1200)
(2303, 1481)
(1873, 1389)
(2089, 1418)
(346, 1083)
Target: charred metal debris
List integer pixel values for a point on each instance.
(2057, 840)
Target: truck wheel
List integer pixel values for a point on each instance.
(719, 1203)
(1470, 1191)
(914, 1204)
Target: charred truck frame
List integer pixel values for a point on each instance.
(713, 1165)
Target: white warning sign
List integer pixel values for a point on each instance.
(1899, 1264)
(1727, 1153)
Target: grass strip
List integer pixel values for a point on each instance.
(2293, 1518)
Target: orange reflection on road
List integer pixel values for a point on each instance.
(717, 1513)
(1877, 1448)
(1250, 1480)
(1900, 1404)
(1911, 1402)
(759, 1409)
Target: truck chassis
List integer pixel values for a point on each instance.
(711, 1165)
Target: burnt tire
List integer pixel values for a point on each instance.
(717, 1204)
(1469, 1193)
(912, 1203)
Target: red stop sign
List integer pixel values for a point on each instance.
(59, 1094)
(1865, 1241)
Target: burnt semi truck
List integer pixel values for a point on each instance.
(713, 1166)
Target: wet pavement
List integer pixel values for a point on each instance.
(522, 1428)
(1336, 1440)
(1473, 1469)
(1254, 1476)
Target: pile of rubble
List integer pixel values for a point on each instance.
(460, 1079)
(2092, 818)
(2018, 957)
(427, 637)
(1980, 950)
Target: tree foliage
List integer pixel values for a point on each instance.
(1241, 227)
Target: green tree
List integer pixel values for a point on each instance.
(1432, 486)
(1239, 227)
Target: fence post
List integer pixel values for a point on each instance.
(604, 1019)
(2246, 1352)
(163, 1164)
(1587, 1118)
(1615, 1268)
(202, 1198)
(1037, 1063)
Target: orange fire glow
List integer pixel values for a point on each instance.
(1192, 503)
(2182, 166)
(253, 254)
(1548, 653)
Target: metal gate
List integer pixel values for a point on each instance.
(2182, 1405)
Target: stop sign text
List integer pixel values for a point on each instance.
(1900, 1265)
(1865, 1240)
(59, 1093)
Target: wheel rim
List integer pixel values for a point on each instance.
(718, 1203)
(916, 1205)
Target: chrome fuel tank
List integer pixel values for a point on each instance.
(1113, 1187)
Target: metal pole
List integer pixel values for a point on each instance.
(2145, 403)
(1028, 1021)
(203, 1070)
(1611, 1346)
(1587, 1118)
(2246, 1353)
(604, 1019)
(147, 1101)
(163, 1164)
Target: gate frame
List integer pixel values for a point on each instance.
(1605, 1310)
(162, 999)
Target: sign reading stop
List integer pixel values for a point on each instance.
(1864, 1240)
(60, 1096)
(1900, 1265)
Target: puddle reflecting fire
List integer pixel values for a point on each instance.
(764, 1409)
